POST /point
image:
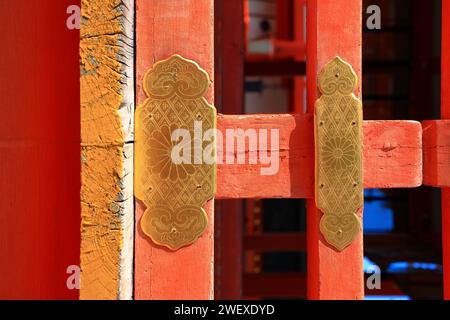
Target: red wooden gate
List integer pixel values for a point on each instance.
(392, 151)
(334, 29)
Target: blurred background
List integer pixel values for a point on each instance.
(401, 80)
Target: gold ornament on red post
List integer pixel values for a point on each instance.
(339, 180)
(173, 192)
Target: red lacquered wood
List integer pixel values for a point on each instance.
(165, 28)
(283, 19)
(392, 154)
(392, 157)
(275, 285)
(334, 29)
(229, 99)
(446, 240)
(296, 147)
(276, 242)
(445, 114)
(39, 150)
(298, 95)
(436, 153)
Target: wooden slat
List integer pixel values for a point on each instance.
(445, 114)
(392, 157)
(107, 103)
(436, 152)
(165, 28)
(334, 29)
(275, 285)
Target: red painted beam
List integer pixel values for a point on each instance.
(445, 114)
(436, 153)
(275, 49)
(292, 242)
(392, 157)
(275, 285)
(288, 242)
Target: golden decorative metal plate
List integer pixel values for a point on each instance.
(339, 182)
(174, 190)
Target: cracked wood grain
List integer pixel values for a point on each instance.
(107, 105)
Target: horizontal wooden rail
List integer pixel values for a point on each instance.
(273, 49)
(274, 68)
(392, 157)
(296, 241)
(288, 242)
(275, 285)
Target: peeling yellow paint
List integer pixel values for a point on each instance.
(102, 140)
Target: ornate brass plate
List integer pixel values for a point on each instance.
(174, 185)
(339, 182)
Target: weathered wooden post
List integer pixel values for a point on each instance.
(107, 107)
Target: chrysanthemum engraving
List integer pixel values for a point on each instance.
(338, 153)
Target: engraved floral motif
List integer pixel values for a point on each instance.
(338, 153)
(160, 156)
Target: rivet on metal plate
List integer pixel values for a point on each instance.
(174, 193)
(339, 181)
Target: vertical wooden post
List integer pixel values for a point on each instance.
(445, 114)
(229, 88)
(164, 28)
(107, 104)
(299, 94)
(334, 29)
